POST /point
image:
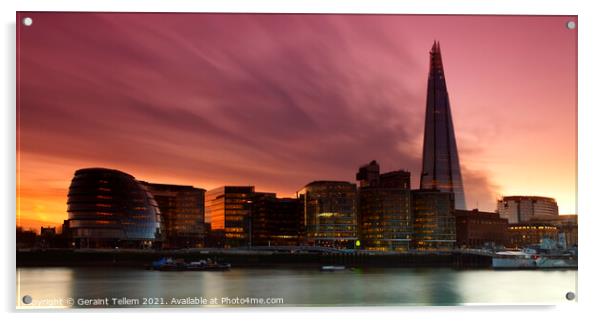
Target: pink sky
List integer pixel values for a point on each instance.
(277, 101)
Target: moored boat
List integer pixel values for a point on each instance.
(332, 268)
(526, 259)
(203, 265)
(513, 260)
(169, 264)
(549, 254)
(556, 262)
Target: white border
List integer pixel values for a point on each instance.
(589, 148)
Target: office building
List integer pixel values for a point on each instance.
(330, 213)
(477, 229)
(530, 233)
(228, 210)
(276, 221)
(517, 209)
(434, 221)
(566, 224)
(182, 214)
(384, 209)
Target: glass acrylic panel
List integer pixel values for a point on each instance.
(227, 160)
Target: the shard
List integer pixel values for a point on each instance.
(440, 161)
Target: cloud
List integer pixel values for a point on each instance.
(480, 191)
(273, 100)
(289, 100)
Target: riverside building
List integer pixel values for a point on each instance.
(182, 214)
(517, 209)
(228, 211)
(330, 213)
(384, 209)
(434, 221)
(108, 208)
(477, 229)
(276, 221)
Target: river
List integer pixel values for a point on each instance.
(127, 287)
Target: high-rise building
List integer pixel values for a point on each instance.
(440, 161)
(476, 229)
(276, 221)
(330, 214)
(434, 221)
(228, 210)
(517, 209)
(182, 214)
(109, 208)
(369, 174)
(384, 209)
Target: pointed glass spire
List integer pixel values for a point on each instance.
(440, 161)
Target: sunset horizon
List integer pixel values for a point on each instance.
(278, 101)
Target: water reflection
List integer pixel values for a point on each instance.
(301, 287)
(49, 286)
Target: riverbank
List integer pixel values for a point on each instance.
(241, 258)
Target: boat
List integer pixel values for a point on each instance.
(203, 265)
(169, 264)
(513, 260)
(557, 262)
(549, 254)
(525, 260)
(332, 268)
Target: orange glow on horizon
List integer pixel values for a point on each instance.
(175, 102)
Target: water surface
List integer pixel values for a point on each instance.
(89, 287)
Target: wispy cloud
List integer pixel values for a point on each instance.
(270, 100)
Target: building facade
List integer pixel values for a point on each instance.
(110, 208)
(517, 209)
(434, 221)
(440, 160)
(276, 221)
(384, 209)
(566, 224)
(228, 210)
(26, 239)
(530, 233)
(182, 214)
(476, 229)
(47, 231)
(330, 213)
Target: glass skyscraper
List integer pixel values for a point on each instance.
(440, 162)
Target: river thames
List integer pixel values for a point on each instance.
(127, 287)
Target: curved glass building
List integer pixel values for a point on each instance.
(109, 208)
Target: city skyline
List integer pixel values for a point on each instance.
(161, 108)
